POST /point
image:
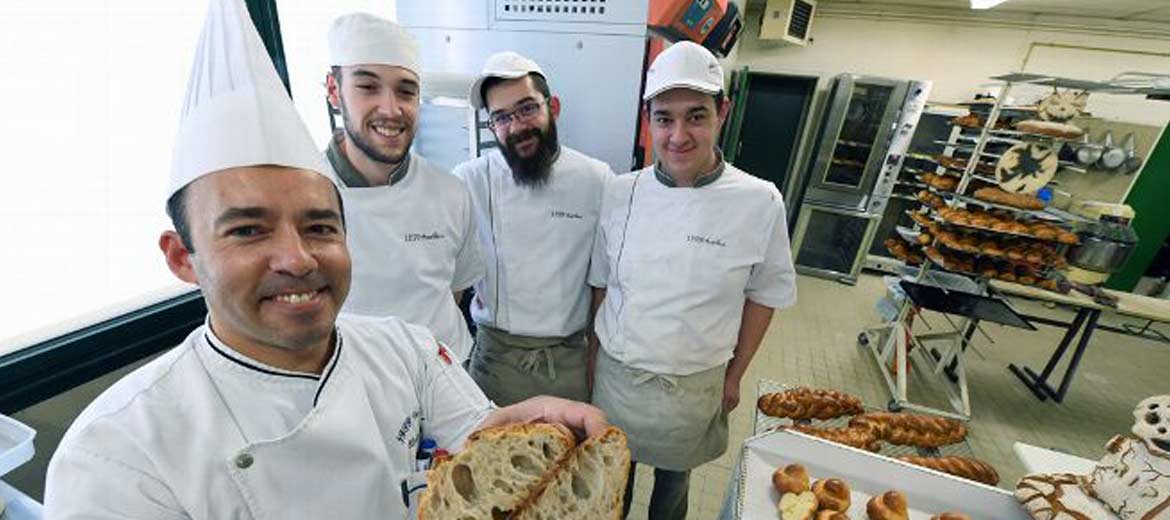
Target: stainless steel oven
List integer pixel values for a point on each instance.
(853, 139)
(828, 241)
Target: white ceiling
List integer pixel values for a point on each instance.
(1126, 10)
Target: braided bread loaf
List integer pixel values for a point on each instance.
(924, 431)
(807, 403)
(860, 438)
(964, 467)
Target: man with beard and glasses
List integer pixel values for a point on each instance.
(411, 230)
(692, 257)
(276, 407)
(536, 206)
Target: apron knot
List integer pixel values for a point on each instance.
(669, 383)
(531, 361)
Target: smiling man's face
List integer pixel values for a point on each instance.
(270, 255)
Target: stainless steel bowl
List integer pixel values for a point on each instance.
(1099, 254)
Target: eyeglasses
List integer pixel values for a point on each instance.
(524, 112)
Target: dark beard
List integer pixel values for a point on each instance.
(365, 145)
(532, 172)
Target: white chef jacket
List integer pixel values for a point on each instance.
(412, 244)
(678, 263)
(536, 243)
(203, 432)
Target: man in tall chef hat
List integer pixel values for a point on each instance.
(692, 257)
(410, 224)
(536, 205)
(275, 407)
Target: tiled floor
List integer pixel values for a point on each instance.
(815, 343)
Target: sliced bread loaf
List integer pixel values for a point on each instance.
(589, 485)
(497, 470)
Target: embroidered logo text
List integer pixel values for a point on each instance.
(415, 237)
(706, 240)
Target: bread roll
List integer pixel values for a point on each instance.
(790, 479)
(829, 514)
(1049, 128)
(1015, 200)
(832, 494)
(950, 515)
(798, 506)
(925, 431)
(964, 467)
(860, 438)
(888, 506)
(807, 403)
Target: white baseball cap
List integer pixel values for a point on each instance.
(684, 65)
(365, 39)
(236, 111)
(506, 65)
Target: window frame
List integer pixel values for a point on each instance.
(56, 365)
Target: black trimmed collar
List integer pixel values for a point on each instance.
(668, 180)
(221, 348)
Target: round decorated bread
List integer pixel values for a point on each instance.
(1026, 167)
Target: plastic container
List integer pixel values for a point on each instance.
(16, 444)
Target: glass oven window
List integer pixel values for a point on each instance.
(859, 131)
(832, 241)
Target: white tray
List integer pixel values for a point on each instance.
(16, 444)
(928, 492)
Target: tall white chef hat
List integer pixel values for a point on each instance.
(365, 39)
(684, 65)
(237, 112)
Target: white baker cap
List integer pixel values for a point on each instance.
(237, 112)
(365, 39)
(506, 65)
(684, 65)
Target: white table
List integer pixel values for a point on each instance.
(20, 506)
(1042, 460)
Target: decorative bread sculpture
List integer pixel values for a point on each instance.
(807, 403)
(1058, 497)
(1131, 482)
(924, 431)
(1133, 478)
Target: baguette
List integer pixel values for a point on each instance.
(496, 471)
(589, 485)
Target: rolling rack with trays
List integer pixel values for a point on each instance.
(959, 242)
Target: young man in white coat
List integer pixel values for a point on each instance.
(411, 230)
(536, 207)
(274, 408)
(692, 256)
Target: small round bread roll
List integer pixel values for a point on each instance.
(829, 514)
(890, 505)
(832, 493)
(797, 506)
(950, 515)
(790, 479)
(1045, 232)
(1067, 237)
(1002, 226)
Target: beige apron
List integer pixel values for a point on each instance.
(511, 368)
(673, 422)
